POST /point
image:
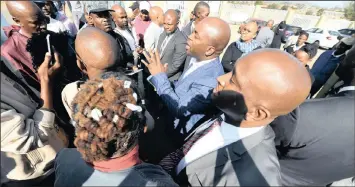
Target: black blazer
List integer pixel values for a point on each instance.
(278, 37)
(315, 142)
(230, 57)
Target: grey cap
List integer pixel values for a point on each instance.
(96, 6)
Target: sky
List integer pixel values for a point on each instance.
(326, 4)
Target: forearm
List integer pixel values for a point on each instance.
(46, 94)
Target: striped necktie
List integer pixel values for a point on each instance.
(170, 162)
(162, 47)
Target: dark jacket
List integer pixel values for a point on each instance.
(230, 57)
(315, 142)
(278, 37)
(72, 170)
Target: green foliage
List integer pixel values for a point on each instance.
(273, 6)
(285, 7)
(259, 2)
(349, 11)
(309, 12)
(320, 12)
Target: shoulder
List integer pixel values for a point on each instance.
(154, 175)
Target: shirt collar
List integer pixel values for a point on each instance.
(195, 62)
(337, 56)
(347, 88)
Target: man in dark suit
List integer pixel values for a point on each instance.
(346, 73)
(315, 142)
(236, 148)
(201, 11)
(189, 97)
(171, 45)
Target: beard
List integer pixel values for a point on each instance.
(232, 104)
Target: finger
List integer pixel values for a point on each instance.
(157, 55)
(47, 59)
(145, 63)
(146, 55)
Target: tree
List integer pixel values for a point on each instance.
(285, 7)
(349, 11)
(273, 6)
(320, 12)
(259, 2)
(309, 12)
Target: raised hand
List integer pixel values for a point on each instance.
(154, 66)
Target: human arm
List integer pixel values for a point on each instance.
(179, 57)
(21, 133)
(149, 39)
(227, 61)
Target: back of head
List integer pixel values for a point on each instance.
(97, 49)
(217, 31)
(274, 80)
(22, 8)
(108, 117)
(156, 14)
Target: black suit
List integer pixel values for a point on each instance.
(315, 142)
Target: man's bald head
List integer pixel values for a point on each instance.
(270, 23)
(209, 39)
(271, 81)
(171, 20)
(28, 15)
(201, 11)
(249, 31)
(156, 14)
(97, 50)
(119, 16)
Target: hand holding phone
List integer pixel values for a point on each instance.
(51, 62)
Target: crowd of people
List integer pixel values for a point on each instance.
(136, 98)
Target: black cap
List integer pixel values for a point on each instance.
(134, 6)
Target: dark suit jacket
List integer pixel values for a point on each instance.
(251, 161)
(174, 53)
(230, 57)
(187, 29)
(315, 142)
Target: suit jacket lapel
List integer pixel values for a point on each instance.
(171, 42)
(160, 41)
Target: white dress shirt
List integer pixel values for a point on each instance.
(195, 65)
(129, 37)
(151, 36)
(56, 26)
(218, 137)
(346, 88)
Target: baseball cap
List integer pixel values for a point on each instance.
(97, 6)
(134, 6)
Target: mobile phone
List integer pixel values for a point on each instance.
(51, 62)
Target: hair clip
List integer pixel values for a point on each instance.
(127, 84)
(134, 107)
(115, 118)
(135, 96)
(96, 114)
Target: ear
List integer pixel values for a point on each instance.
(89, 19)
(210, 51)
(17, 21)
(258, 114)
(81, 66)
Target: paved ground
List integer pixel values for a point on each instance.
(235, 36)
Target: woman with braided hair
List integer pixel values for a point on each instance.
(109, 117)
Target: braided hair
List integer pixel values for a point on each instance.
(108, 117)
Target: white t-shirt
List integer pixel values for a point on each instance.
(56, 26)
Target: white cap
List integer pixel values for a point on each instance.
(144, 5)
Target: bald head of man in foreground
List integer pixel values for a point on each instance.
(156, 15)
(171, 21)
(272, 83)
(119, 16)
(28, 15)
(97, 52)
(210, 37)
